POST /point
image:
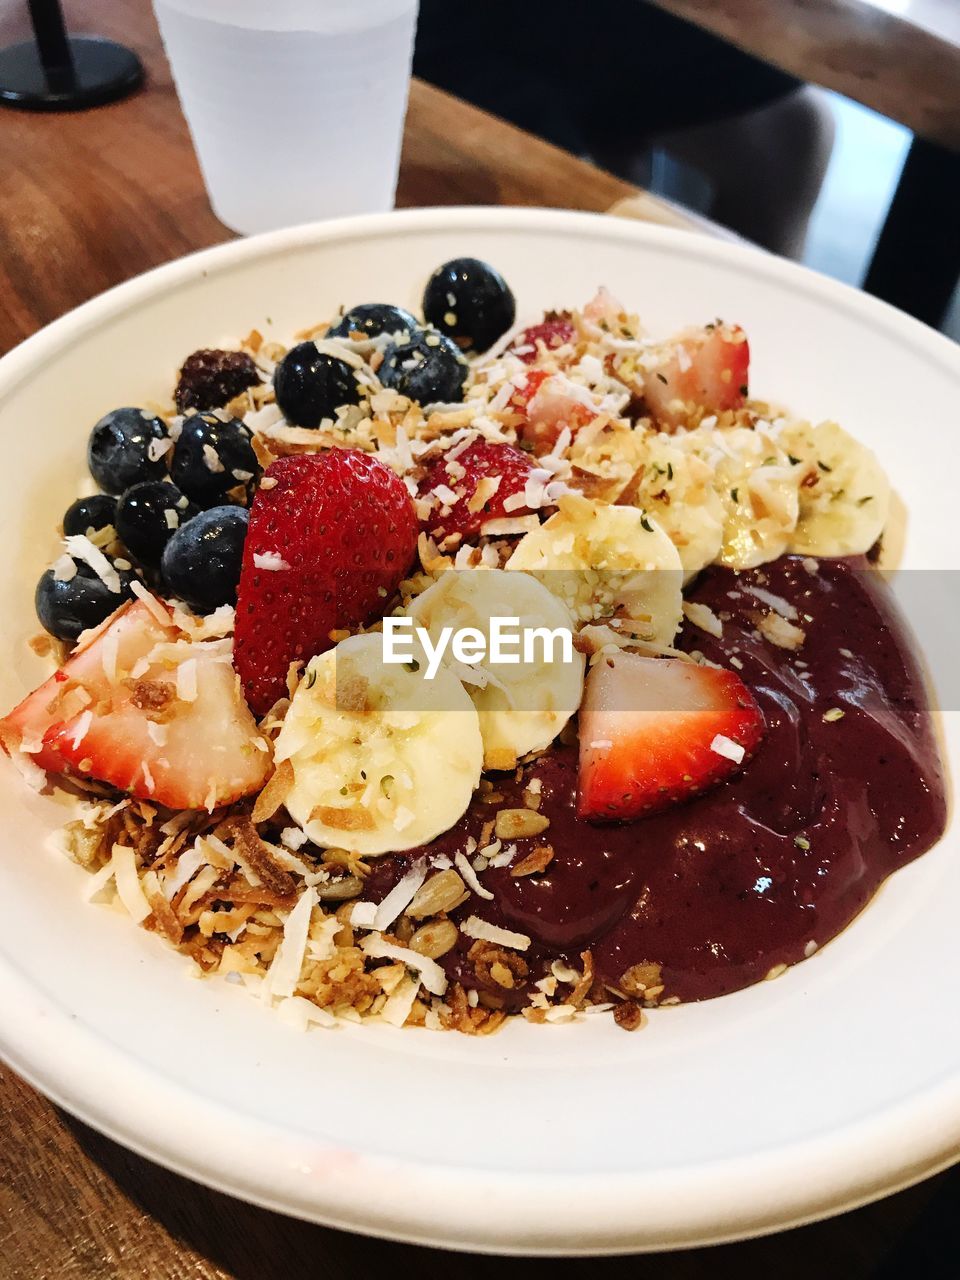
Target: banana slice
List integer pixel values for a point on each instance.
(522, 705)
(675, 485)
(383, 759)
(605, 459)
(844, 512)
(757, 484)
(600, 559)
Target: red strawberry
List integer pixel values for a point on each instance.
(654, 731)
(344, 530)
(463, 471)
(555, 330)
(521, 396)
(113, 713)
(705, 369)
(549, 402)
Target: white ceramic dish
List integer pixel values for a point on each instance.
(835, 1084)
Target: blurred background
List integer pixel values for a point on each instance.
(710, 104)
(663, 102)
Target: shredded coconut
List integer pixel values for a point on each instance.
(400, 1001)
(99, 881)
(157, 448)
(724, 746)
(128, 883)
(470, 876)
(702, 616)
(188, 864)
(284, 971)
(81, 728)
(431, 975)
(299, 1013)
(270, 560)
(64, 568)
(187, 680)
(211, 459)
(81, 548)
(151, 602)
(400, 896)
(474, 927)
(363, 915)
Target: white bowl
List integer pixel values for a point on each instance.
(791, 1100)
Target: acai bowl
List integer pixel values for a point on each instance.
(859, 416)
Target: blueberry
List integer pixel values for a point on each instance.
(469, 302)
(201, 562)
(211, 457)
(96, 512)
(65, 608)
(373, 318)
(311, 386)
(428, 368)
(147, 516)
(119, 450)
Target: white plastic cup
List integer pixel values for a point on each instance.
(296, 107)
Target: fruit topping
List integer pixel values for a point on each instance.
(210, 379)
(655, 731)
(428, 368)
(73, 596)
(525, 700)
(470, 302)
(382, 758)
(467, 487)
(127, 446)
(329, 541)
(555, 330)
(147, 516)
(371, 319)
(213, 459)
(143, 709)
(549, 403)
(91, 514)
(707, 368)
(201, 561)
(312, 385)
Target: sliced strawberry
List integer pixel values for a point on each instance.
(114, 712)
(704, 369)
(471, 474)
(344, 531)
(521, 396)
(604, 309)
(549, 402)
(555, 330)
(655, 731)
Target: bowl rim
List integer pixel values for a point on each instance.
(496, 1212)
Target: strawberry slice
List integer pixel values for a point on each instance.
(555, 330)
(706, 369)
(331, 536)
(142, 719)
(521, 396)
(548, 402)
(655, 731)
(482, 476)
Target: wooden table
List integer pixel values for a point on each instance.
(905, 64)
(86, 201)
(901, 58)
(90, 199)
